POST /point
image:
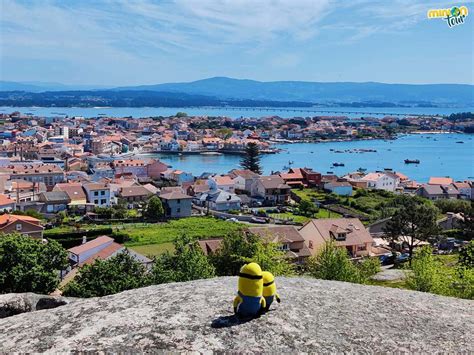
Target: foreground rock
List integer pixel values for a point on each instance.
(17, 303)
(314, 316)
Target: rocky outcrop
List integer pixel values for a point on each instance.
(17, 303)
(314, 316)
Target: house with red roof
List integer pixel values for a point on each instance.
(25, 225)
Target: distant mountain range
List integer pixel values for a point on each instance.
(337, 93)
(40, 86)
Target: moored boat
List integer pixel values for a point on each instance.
(412, 161)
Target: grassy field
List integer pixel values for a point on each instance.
(152, 250)
(322, 213)
(196, 227)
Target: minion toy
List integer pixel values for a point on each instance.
(269, 290)
(249, 301)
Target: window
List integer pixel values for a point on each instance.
(18, 227)
(96, 202)
(102, 193)
(178, 201)
(178, 210)
(103, 201)
(341, 236)
(96, 193)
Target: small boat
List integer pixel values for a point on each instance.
(337, 164)
(412, 161)
(211, 153)
(362, 170)
(460, 142)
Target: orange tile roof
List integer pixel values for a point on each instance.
(440, 181)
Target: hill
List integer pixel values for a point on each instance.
(314, 316)
(319, 92)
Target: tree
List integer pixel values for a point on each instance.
(251, 160)
(224, 133)
(187, 263)
(466, 255)
(413, 222)
(30, 265)
(426, 274)
(153, 209)
(307, 208)
(235, 250)
(467, 223)
(181, 114)
(240, 248)
(105, 277)
(333, 263)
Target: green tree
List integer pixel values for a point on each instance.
(187, 263)
(181, 114)
(30, 265)
(333, 263)
(272, 259)
(467, 223)
(105, 277)
(466, 255)
(450, 205)
(425, 275)
(251, 160)
(235, 251)
(307, 208)
(413, 221)
(224, 133)
(153, 209)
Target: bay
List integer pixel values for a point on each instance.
(138, 112)
(439, 155)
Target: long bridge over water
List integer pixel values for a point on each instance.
(326, 111)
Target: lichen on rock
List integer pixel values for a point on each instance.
(314, 316)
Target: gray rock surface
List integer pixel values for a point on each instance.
(314, 316)
(17, 303)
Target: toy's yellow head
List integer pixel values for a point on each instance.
(250, 280)
(269, 286)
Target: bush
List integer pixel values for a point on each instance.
(466, 255)
(105, 277)
(425, 275)
(333, 263)
(187, 263)
(369, 267)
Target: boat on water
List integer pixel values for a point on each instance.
(211, 153)
(337, 164)
(362, 170)
(412, 161)
(460, 142)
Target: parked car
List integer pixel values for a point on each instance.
(233, 219)
(258, 220)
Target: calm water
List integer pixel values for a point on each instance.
(201, 111)
(439, 154)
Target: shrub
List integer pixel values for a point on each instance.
(187, 263)
(425, 275)
(369, 267)
(105, 277)
(333, 263)
(466, 255)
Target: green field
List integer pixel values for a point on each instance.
(159, 233)
(322, 213)
(152, 250)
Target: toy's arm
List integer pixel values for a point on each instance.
(237, 301)
(263, 302)
(277, 298)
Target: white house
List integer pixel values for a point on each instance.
(381, 181)
(222, 182)
(98, 194)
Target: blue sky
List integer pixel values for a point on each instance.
(107, 42)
